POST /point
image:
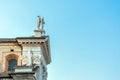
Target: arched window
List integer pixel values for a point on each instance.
(11, 64)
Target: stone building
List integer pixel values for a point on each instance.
(25, 58)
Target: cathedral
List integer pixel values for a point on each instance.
(25, 58)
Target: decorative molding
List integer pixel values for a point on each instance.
(36, 59)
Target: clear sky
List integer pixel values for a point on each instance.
(84, 34)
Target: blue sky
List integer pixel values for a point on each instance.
(84, 34)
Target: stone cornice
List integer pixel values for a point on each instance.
(6, 40)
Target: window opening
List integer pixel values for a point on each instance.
(11, 64)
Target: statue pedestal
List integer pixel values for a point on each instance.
(39, 33)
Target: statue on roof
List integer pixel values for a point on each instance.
(40, 23)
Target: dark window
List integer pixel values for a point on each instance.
(12, 50)
(11, 64)
(38, 42)
(23, 42)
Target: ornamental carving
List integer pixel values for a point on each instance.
(36, 59)
(25, 60)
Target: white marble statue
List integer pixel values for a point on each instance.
(40, 23)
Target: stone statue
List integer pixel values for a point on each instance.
(40, 23)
